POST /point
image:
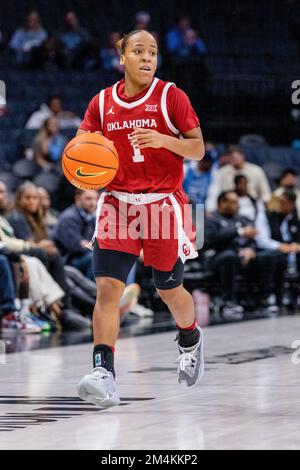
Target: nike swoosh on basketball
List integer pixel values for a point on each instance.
(81, 174)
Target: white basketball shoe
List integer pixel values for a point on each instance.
(99, 388)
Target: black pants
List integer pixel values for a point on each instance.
(260, 271)
(282, 264)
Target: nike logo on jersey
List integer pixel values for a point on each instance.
(81, 174)
(110, 111)
(151, 108)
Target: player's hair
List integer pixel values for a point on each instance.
(122, 43)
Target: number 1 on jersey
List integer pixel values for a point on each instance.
(137, 157)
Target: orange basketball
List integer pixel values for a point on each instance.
(90, 161)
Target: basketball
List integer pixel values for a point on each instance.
(90, 161)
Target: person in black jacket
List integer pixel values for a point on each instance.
(230, 239)
(279, 231)
(75, 229)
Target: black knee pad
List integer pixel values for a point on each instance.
(165, 280)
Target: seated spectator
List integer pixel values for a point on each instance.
(35, 285)
(248, 205)
(42, 288)
(280, 231)
(29, 225)
(198, 179)
(230, 239)
(212, 151)
(49, 214)
(53, 108)
(109, 55)
(74, 40)
(223, 179)
(26, 41)
(288, 180)
(11, 320)
(183, 42)
(49, 144)
(192, 47)
(75, 230)
(142, 20)
(8, 295)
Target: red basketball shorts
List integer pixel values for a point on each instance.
(161, 228)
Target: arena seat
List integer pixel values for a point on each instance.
(11, 181)
(25, 169)
(47, 180)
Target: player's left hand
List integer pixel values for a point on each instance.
(146, 138)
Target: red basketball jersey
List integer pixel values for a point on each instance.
(148, 170)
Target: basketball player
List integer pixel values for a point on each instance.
(144, 117)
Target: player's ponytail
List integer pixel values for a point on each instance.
(119, 46)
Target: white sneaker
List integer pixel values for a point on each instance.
(129, 298)
(191, 363)
(99, 388)
(141, 311)
(13, 323)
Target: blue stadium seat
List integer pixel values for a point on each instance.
(282, 156)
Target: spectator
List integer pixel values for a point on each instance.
(280, 231)
(192, 47)
(49, 144)
(10, 319)
(26, 41)
(223, 180)
(109, 55)
(183, 42)
(50, 215)
(142, 20)
(248, 205)
(29, 225)
(8, 296)
(74, 40)
(288, 180)
(75, 229)
(41, 287)
(230, 239)
(198, 179)
(224, 159)
(53, 108)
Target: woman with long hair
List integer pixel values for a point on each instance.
(28, 223)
